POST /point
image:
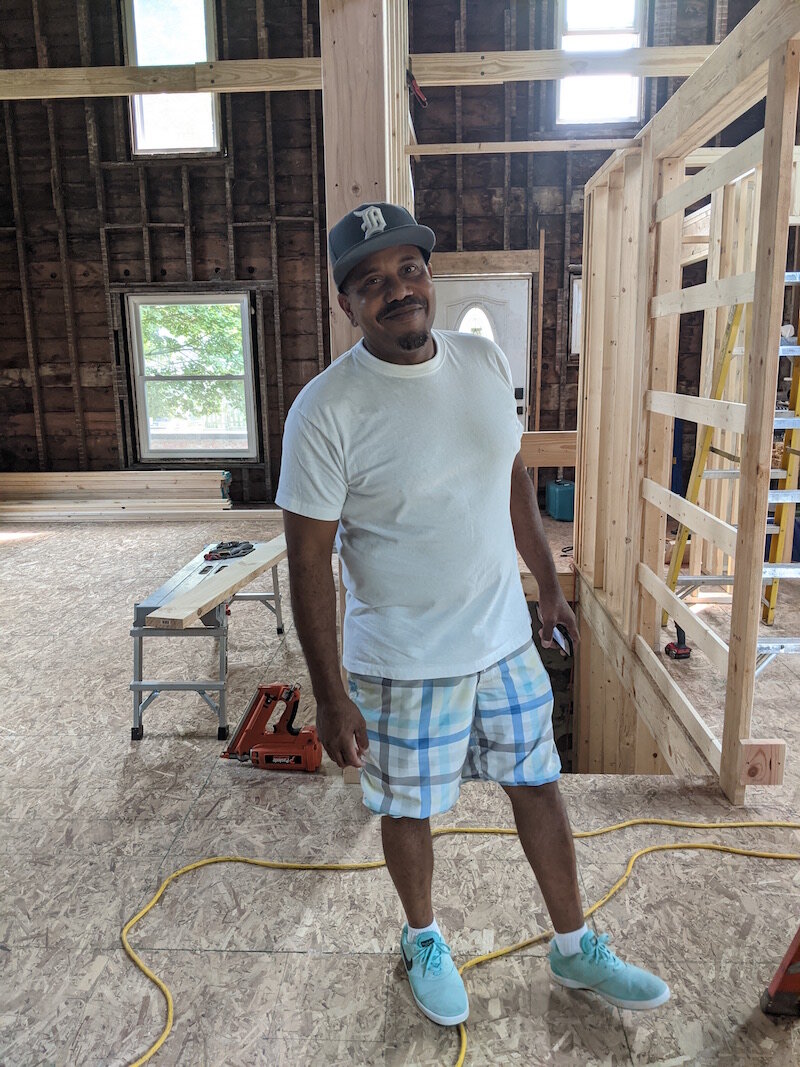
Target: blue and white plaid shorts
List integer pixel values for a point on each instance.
(427, 736)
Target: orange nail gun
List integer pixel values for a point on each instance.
(283, 748)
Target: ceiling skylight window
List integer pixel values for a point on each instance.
(167, 34)
(589, 26)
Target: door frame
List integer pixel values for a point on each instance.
(525, 261)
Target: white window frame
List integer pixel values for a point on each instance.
(132, 60)
(480, 306)
(561, 31)
(134, 302)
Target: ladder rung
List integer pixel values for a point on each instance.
(784, 496)
(772, 528)
(792, 351)
(725, 455)
(776, 472)
(705, 579)
(781, 570)
(776, 645)
(792, 277)
(786, 420)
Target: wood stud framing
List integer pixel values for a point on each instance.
(63, 253)
(633, 338)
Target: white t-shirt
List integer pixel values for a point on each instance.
(415, 463)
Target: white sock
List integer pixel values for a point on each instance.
(414, 932)
(570, 944)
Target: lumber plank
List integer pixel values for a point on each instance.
(731, 165)
(479, 148)
(230, 76)
(762, 372)
(730, 81)
(689, 717)
(722, 414)
(494, 68)
(723, 292)
(548, 448)
(187, 608)
(762, 761)
(514, 261)
(697, 519)
(704, 637)
(679, 750)
(661, 363)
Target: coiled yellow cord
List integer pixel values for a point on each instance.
(446, 830)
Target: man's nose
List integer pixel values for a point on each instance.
(398, 288)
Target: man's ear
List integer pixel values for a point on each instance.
(344, 304)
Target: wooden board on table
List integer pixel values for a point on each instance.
(187, 608)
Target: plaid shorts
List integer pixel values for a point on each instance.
(427, 736)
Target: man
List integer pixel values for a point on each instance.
(405, 452)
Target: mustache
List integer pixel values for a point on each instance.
(404, 306)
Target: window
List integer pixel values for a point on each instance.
(475, 320)
(193, 372)
(165, 34)
(590, 26)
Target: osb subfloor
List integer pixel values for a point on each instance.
(280, 967)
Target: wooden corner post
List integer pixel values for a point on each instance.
(364, 45)
(773, 229)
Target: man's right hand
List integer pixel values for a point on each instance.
(342, 731)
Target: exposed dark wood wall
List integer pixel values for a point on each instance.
(80, 222)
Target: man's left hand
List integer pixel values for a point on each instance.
(554, 610)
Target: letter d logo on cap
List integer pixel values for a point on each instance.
(373, 221)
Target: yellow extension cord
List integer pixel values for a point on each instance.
(476, 960)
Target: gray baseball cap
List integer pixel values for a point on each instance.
(368, 229)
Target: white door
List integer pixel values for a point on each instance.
(495, 306)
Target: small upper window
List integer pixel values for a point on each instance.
(160, 35)
(589, 26)
(475, 320)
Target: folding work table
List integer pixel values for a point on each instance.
(194, 603)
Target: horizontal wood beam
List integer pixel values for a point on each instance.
(495, 68)
(479, 148)
(516, 261)
(731, 165)
(699, 521)
(230, 76)
(725, 292)
(722, 414)
(733, 79)
(680, 751)
(549, 448)
(704, 637)
(276, 75)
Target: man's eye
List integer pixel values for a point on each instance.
(372, 281)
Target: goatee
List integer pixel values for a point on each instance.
(412, 341)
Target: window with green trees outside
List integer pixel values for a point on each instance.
(194, 376)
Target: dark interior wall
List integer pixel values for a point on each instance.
(73, 237)
(80, 225)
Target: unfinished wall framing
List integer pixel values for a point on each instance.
(83, 222)
(642, 226)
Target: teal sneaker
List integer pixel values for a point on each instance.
(436, 985)
(598, 969)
